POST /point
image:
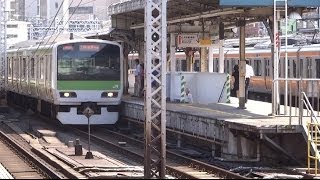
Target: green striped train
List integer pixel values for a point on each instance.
(62, 75)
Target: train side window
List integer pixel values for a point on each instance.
(257, 67)
(16, 68)
(50, 67)
(289, 69)
(32, 67)
(9, 67)
(41, 69)
(317, 68)
(24, 68)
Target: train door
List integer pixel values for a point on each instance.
(267, 67)
(317, 68)
(295, 68)
(196, 65)
(308, 67)
(233, 63)
(257, 67)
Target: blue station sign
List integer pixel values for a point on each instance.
(258, 3)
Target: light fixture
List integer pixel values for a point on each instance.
(66, 94)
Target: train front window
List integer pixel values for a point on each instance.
(88, 61)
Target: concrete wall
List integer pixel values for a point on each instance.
(235, 144)
(205, 87)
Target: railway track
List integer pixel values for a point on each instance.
(19, 160)
(177, 165)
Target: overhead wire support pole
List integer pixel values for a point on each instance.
(3, 46)
(276, 46)
(155, 99)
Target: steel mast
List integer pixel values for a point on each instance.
(155, 98)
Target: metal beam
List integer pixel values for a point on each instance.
(208, 14)
(155, 83)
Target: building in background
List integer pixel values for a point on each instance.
(52, 16)
(17, 31)
(15, 9)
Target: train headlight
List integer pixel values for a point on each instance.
(109, 94)
(68, 94)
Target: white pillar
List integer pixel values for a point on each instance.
(221, 47)
(210, 59)
(221, 56)
(172, 64)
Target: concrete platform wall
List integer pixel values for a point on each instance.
(235, 144)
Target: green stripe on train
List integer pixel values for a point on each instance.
(88, 85)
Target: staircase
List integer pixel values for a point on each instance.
(312, 135)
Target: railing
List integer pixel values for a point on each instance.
(313, 142)
(306, 103)
(313, 133)
(311, 89)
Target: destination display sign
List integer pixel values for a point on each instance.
(89, 47)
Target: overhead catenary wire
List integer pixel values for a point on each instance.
(46, 31)
(51, 45)
(63, 28)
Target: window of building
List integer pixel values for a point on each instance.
(12, 25)
(12, 36)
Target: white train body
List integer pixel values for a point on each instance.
(60, 79)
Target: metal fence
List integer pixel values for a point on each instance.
(297, 88)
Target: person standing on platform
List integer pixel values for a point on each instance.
(249, 73)
(189, 98)
(137, 81)
(235, 75)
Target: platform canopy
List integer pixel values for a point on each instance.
(256, 3)
(130, 14)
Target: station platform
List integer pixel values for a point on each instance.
(256, 116)
(238, 134)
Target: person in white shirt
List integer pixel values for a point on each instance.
(137, 81)
(189, 98)
(249, 73)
